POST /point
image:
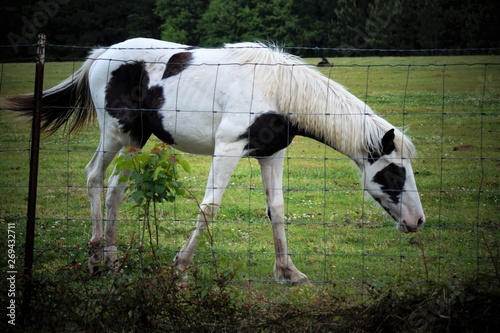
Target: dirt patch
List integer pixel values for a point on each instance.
(463, 147)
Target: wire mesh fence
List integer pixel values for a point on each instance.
(337, 235)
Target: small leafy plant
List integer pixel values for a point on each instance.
(152, 177)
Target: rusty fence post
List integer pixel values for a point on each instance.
(33, 178)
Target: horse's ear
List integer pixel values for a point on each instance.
(388, 142)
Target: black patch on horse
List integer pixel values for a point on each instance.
(176, 64)
(271, 132)
(387, 147)
(392, 179)
(134, 104)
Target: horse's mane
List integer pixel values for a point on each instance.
(317, 104)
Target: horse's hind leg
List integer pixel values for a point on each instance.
(272, 175)
(114, 197)
(96, 172)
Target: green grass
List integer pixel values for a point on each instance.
(340, 239)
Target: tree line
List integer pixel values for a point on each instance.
(349, 24)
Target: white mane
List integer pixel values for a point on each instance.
(317, 104)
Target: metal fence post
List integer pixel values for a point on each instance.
(33, 178)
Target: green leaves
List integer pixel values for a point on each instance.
(153, 177)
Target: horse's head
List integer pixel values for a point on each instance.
(388, 177)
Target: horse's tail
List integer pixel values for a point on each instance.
(69, 101)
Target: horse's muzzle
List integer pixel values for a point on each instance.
(406, 227)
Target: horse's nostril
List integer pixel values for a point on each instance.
(420, 222)
(413, 227)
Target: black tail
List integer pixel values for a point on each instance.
(70, 102)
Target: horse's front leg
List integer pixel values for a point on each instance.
(272, 176)
(223, 165)
(208, 209)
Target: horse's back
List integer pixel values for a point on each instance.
(152, 53)
(197, 100)
(149, 51)
(147, 43)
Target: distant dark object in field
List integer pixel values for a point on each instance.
(324, 63)
(463, 147)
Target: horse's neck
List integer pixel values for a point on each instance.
(333, 116)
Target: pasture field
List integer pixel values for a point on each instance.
(338, 236)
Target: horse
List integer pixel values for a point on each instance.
(239, 100)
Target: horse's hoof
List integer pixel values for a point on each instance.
(181, 275)
(290, 274)
(111, 258)
(96, 256)
(94, 262)
(304, 281)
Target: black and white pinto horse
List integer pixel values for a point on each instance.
(242, 100)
